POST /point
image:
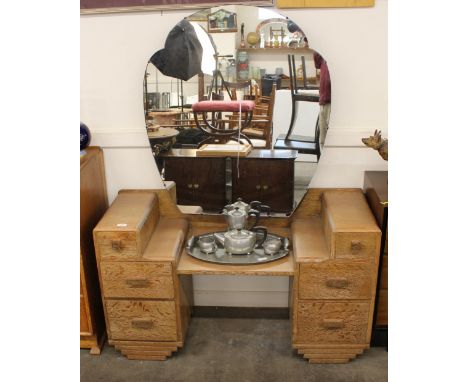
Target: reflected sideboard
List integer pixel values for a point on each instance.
(146, 275)
(207, 181)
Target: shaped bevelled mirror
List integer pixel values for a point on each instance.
(239, 53)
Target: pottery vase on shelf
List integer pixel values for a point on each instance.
(242, 65)
(85, 138)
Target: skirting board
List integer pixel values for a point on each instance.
(240, 312)
(249, 299)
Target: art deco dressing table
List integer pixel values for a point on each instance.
(146, 275)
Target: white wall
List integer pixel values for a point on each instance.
(114, 52)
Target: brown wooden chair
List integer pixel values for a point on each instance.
(246, 86)
(261, 126)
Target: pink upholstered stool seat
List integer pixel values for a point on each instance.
(233, 106)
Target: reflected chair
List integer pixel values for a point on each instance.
(245, 86)
(261, 126)
(303, 144)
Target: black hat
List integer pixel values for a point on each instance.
(182, 54)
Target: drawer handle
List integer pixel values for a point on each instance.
(265, 187)
(142, 324)
(195, 186)
(356, 245)
(339, 283)
(116, 245)
(138, 283)
(189, 185)
(258, 187)
(332, 323)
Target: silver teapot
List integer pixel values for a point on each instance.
(237, 218)
(256, 205)
(241, 241)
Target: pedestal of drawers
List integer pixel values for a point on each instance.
(147, 307)
(334, 284)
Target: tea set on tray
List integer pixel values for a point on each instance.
(239, 245)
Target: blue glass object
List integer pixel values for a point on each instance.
(85, 136)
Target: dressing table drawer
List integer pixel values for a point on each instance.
(137, 280)
(142, 320)
(117, 246)
(125, 229)
(349, 245)
(332, 322)
(350, 229)
(336, 280)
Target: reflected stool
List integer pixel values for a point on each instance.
(215, 127)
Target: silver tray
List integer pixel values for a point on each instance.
(258, 256)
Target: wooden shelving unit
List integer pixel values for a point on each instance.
(279, 50)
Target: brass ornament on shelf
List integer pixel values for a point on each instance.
(253, 38)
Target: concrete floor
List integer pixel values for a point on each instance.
(237, 350)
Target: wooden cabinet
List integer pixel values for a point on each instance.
(199, 181)
(93, 204)
(376, 188)
(265, 175)
(269, 179)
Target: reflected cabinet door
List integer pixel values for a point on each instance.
(199, 181)
(179, 171)
(210, 183)
(269, 180)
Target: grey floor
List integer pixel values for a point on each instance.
(237, 350)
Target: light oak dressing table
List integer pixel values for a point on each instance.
(146, 275)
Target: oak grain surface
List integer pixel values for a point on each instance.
(313, 326)
(335, 280)
(137, 280)
(127, 316)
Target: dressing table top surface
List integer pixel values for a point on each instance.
(189, 265)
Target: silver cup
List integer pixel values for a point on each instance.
(207, 244)
(271, 246)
